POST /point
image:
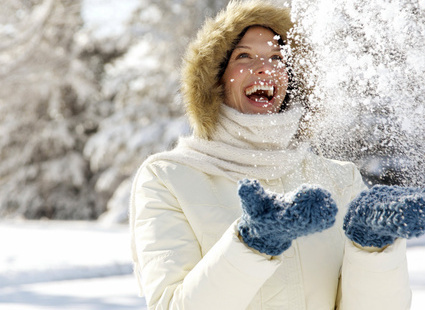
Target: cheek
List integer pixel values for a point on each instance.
(284, 74)
(233, 79)
(285, 79)
(282, 78)
(237, 72)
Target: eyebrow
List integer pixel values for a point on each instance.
(276, 49)
(242, 46)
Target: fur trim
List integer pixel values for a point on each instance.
(201, 90)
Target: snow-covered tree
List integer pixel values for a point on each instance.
(88, 89)
(45, 119)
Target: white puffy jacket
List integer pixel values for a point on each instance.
(189, 256)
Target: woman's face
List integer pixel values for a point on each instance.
(255, 80)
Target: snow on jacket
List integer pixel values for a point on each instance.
(183, 218)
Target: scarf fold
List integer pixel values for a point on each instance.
(244, 146)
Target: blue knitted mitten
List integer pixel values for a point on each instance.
(270, 221)
(378, 216)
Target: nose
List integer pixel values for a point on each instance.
(263, 66)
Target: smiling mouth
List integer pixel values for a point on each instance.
(260, 93)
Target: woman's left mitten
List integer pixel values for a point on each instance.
(270, 222)
(378, 216)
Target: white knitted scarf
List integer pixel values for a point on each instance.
(244, 146)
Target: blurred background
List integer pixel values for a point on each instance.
(89, 89)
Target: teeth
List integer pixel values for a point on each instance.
(254, 88)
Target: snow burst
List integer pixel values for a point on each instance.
(367, 72)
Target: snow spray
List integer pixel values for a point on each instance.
(365, 64)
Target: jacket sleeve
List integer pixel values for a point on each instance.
(374, 280)
(173, 273)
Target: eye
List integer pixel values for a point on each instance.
(242, 55)
(277, 57)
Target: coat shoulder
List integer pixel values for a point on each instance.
(189, 185)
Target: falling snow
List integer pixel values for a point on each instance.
(368, 73)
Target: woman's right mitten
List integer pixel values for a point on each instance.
(270, 222)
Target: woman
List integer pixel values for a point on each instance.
(188, 246)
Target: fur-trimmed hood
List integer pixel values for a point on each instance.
(202, 92)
